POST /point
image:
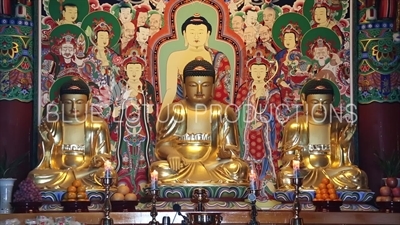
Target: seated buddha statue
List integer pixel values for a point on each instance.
(74, 143)
(322, 143)
(197, 137)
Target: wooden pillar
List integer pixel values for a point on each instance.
(16, 133)
(16, 87)
(379, 131)
(378, 84)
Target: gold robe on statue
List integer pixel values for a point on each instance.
(201, 151)
(62, 163)
(336, 166)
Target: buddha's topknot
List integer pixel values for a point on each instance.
(199, 67)
(75, 86)
(318, 86)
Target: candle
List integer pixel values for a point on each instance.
(154, 180)
(296, 168)
(252, 180)
(107, 169)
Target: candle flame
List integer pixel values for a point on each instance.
(154, 175)
(296, 164)
(252, 175)
(107, 165)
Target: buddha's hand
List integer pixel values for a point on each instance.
(46, 135)
(347, 133)
(225, 153)
(175, 160)
(98, 160)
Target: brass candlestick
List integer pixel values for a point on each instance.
(153, 213)
(107, 220)
(253, 200)
(296, 220)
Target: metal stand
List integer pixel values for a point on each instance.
(296, 220)
(107, 220)
(153, 213)
(201, 217)
(200, 197)
(253, 200)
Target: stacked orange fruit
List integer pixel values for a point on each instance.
(326, 191)
(76, 192)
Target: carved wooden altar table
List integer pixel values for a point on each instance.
(230, 217)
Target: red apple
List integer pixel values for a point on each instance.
(396, 192)
(385, 191)
(391, 182)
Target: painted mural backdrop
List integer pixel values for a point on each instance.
(378, 54)
(132, 54)
(16, 50)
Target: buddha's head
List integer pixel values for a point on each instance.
(196, 30)
(321, 13)
(198, 77)
(69, 13)
(74, 98)
(317, 98)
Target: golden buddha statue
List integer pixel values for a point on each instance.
(197, 137)
(321, 142)
(74, 143)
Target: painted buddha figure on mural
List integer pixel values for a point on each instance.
(197, 137)
(75, 144)
(69, 14)
(66, 12)
(323, 15)
(321, 141)
(196, 30)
